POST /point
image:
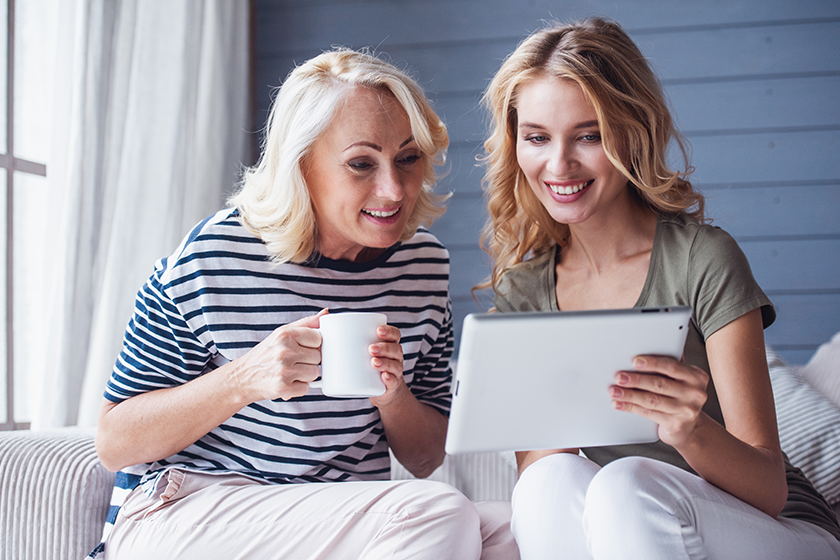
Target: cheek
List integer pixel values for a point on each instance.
(527, 162)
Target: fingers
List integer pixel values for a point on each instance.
(665, 390)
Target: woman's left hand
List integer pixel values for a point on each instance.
(669, 392)
(387, 358)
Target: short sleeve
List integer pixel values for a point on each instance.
(159, 349)
(721, 282)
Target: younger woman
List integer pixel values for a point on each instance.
(585, 213)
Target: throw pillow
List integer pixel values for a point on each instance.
(823, 370)
(809, 427)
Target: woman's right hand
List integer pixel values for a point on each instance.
(156, 424)
(283, 364)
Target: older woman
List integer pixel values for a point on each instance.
(209, 414)
(586, 213)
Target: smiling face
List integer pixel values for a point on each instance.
(364, 175)
(559, 149)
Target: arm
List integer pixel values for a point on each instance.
(416, 432)
(744, 458)
(154, 425)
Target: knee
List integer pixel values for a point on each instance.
(626, 493)
(441, 500)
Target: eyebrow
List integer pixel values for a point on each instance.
(377, 147)
(585, 124)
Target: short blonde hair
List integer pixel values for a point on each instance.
(273, 199)
(634, 120)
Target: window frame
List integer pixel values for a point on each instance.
(11, 165)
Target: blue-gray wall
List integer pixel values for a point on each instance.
(755, 86)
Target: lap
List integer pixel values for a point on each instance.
(195, 515)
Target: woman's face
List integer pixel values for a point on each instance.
(558, 147)
(364, 175)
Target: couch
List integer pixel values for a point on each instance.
(54, 493)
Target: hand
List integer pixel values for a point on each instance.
(387, 358)
(669, 392)
(282, 365)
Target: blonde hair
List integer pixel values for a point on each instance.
(633, 118)
(273, 199)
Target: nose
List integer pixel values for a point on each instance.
(389, 184)
(562, 159)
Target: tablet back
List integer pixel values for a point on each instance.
(540, 380)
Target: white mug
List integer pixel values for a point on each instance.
(346, 370)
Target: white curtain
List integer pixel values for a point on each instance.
(149, 133)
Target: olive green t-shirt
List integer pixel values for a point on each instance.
(695, 265)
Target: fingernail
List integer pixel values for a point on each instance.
(639, 363)
(616, 392)
(623, 379)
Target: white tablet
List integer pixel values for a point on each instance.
(540, 380)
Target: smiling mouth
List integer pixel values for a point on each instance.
(381, 213)
(557, 189)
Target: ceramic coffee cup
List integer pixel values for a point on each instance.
(346, 370)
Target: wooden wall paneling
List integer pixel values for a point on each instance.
(776, 211)
(795, 265)
(785, 104)
(799, 329)
(308, 22)
(737, 52)
(464, 173)
(767, 157)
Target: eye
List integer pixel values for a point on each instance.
(536, 139)
(359, 165)
(591, 138)
(409, 159)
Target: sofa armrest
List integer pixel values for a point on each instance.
(54, 494)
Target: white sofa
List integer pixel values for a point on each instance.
(54, 493)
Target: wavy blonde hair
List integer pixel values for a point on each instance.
(633, 118)
(273, 199)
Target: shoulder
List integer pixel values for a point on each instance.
(215, 241)
(706, 264)
(683, 231)
(526, 286)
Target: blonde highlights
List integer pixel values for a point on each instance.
(273, 199)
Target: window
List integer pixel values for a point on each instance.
(25, 103)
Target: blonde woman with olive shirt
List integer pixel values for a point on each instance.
(585, 213)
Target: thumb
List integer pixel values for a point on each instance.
(312, 322)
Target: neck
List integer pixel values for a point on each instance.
(602, 242)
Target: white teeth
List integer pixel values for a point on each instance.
(379, 214)
(568, 190)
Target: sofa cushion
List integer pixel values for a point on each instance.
(823, 370)
(809, 427)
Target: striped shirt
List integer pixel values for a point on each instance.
(219, 295)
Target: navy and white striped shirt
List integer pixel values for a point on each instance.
(219, 295)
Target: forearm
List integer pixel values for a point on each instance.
(416, 433)
(754, 475)
(157, 424)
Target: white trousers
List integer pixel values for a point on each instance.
(231, 517)
(566, 507)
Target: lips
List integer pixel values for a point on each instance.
(569, 189)
(381, 213)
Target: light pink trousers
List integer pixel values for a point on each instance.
(231, 517)
(566, 507)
